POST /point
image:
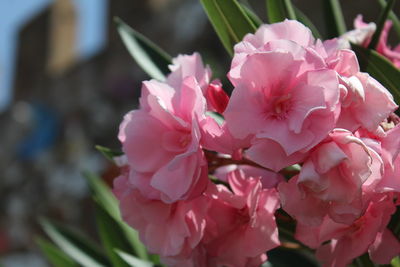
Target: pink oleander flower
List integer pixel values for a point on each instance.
(387, 145)
(333, 181)
(240, 225)
(184, 66)
(162, 141)
(165, 229)
(348, 241)
(283, 104)
(362, 35)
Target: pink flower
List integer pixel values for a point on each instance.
(268, 178)
(362, 35)
(165, 229)
(284, 101)
(365, 103)
(387, 145)
(241, 225)
(162, 141)
(192, 66)
(331, 180)
(348, 241)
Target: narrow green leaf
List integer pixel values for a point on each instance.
(104, 197)
(229, 20)
(334, 18)
(380, 68)
(275, 10)
(152, 59)
(54, 255)
(112, 236)
(392, 17)
(108, 153)
(132, 260)
(103, 194)
(252, 16)
(75, 245)
(290, 13)
(306, 21)
(380, 24)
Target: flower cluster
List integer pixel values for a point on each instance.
(204, 193)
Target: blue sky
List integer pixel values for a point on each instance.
(14, 14)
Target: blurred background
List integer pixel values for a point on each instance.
(66, 81)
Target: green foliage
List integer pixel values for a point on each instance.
(152, 59)
(229, 20)
(381, 23)
(334, 18)
(112, 237)
(103, 196)
(392, 17)
(132, 260)
(252, 16)
(75, 245)
(108, 153)
(306, 21)
(74, 249)
(55, 256)
(380, 68)
(275, 11)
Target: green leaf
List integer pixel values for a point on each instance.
(380, 68)
(108, 153)
(306, 21)
(132, 260)
(229, 20)
(75, 245)
(275, 10)
(103, 196)
(380, 24)
(334, 18)
(112, 236)
(279, 10)
(252, 16)
(290, 13)
(54, 255)
(395, 262)
(152, 59)
(392, 17)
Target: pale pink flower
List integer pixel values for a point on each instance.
(365, 103)
(333, 180)
(348, 241)
(162, 141)
(387, 145)
(165, 229)
(284, 101)
(362, 35)
(241, 225)
(268, 178)
(184, 66)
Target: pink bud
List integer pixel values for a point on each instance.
(217, 97)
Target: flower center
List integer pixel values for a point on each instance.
(279, 107)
